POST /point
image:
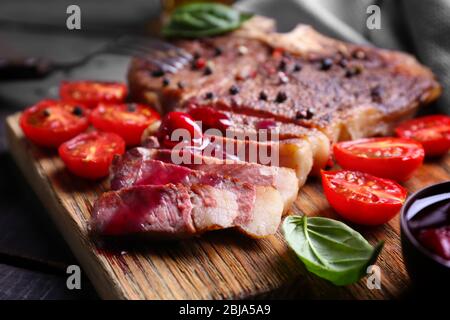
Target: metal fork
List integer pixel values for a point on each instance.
(166, 56)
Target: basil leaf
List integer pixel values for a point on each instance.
(329, 248)
(198, 20)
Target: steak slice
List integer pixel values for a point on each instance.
(295, 154)
(155, 172)
(158, 211)
(210, 191)
(130, 169)
(302, 77)
(243, 127)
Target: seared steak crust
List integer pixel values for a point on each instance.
(345, 90)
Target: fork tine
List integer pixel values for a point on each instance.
(152, 43)
(167, 67)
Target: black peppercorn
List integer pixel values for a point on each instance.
(304, 114)
(281, 97)
(45, 112)
(157, 73)
(131, 107)
(165, 82)
(297, 67)
(326, 64)
(180, 85)
(375, 93)
(209, 95)
(263, 96)
(217, 51)
(234, 90)
(77, 111)
(309, 113)
(282, 65)
(207, 71)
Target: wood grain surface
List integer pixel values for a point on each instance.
(219, 265)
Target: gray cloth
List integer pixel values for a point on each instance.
(421, 27)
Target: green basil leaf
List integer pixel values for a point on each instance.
(198, 20)
(329, 248)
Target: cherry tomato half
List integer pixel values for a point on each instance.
(127, 120)
(91, 93)
(391, 158)
(89, 155)
(362, 198)
(50, 122)
(179, 120)
(433, 132)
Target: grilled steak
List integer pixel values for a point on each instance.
(134, 168)
(255, 210)
(302, 77)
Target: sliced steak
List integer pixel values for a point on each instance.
(159, 211)
(239, 126)
(210, 191)
(155, 172)
(302, 77)
(130, 169)
(295, 154)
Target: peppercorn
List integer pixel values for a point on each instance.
(263, 96)
(282, 65)
(281, 97)
(45, 112)
(326, 64)
(297, 67)
(209, 95)
(217, 51)
(157, 73)
(207, 71)
(304, 114)
(165, 82)
(234, 90)
(375, 93)
(198, 63)
(77, 111)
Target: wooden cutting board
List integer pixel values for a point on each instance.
(219, 265)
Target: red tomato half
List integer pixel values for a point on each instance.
(391, 158)
(89, 155)
(50, 122)
(433, 132)
(127, 120)
(179, 120)
(362, 198)
(91, 93)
